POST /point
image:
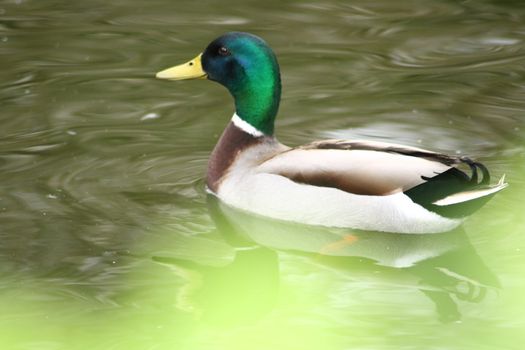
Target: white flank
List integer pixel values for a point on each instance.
(248, 187)
(471, 195)
(246, 127)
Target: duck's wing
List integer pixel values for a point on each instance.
(375, 168)
(359, 167)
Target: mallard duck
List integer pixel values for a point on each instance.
(356, 184)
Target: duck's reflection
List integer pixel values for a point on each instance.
(445, 267)
(238, 282)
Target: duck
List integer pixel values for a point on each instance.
(353, 184)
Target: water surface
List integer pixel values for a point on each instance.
(109, 241)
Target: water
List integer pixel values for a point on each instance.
(108, 240)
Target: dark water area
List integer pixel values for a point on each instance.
(108, 239)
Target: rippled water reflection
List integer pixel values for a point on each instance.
(108, 239)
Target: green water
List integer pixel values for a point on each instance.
(107, 237)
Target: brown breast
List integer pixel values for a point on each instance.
(232, 142)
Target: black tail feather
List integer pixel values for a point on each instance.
(448, 183)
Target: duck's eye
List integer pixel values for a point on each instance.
(223, 51)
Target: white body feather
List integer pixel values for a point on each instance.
(247, 186)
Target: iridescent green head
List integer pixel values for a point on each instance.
(247, 67)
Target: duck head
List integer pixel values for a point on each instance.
(247, 67)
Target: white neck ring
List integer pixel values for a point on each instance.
(246, 127)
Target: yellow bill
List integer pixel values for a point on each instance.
(189, 70)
